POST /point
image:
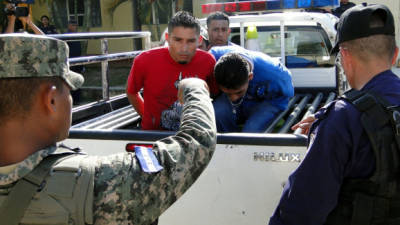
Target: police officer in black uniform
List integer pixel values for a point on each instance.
(350, 174)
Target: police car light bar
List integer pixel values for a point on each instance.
(252, 6)
(26, 1)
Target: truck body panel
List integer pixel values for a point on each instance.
(241, 185)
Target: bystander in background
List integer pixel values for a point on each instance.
(46, 27)
(15, 24)
(75, 50)
(344, 5)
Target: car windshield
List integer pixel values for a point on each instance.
(305, 46)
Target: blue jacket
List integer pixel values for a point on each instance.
(271, 80)
(338, 149)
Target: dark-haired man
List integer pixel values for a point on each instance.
(45, 183)
(218, 29)
(46, 27)
(350, 174)
(158, 71)
(255, 89)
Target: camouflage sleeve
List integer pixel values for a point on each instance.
(124, 194)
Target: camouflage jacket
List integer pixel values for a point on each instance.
(123, 193)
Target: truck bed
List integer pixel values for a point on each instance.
(117, 113)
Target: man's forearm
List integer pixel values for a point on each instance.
(34, 28)
(137, 102)
(10, 24)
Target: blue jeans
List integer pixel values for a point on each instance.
(255, 116)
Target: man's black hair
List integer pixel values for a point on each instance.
(44, 16)
(232, 71)
(217, 16)
(183, 19)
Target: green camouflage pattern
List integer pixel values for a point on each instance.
(26, 166)
(123, 193)
(25, 55)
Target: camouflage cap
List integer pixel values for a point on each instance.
(25, 55)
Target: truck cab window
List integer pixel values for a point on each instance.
(305, 46)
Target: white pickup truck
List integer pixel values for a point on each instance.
(244, 180)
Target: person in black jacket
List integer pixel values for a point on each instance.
(344, 5)
(75, 50)
(46, 27)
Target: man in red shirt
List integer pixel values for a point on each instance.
(158, 71)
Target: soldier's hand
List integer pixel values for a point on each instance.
(305, 124)
(189, 83)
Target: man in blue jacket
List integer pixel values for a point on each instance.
(350, 172)
(255, 89)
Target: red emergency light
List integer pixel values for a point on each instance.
(230, 7)
(130, 147)
(246, 6)
(252, 6)
(214, 7)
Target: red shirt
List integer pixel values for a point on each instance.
(158, 74)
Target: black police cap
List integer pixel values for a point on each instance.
(355, 23)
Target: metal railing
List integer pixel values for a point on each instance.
(105, 57)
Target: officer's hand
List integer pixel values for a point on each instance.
(305, 124)
(189, 83)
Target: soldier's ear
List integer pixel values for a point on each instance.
(48, 97)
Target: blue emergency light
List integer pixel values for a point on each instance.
(251, 6)
(27, 1)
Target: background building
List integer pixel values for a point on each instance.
(132, 15)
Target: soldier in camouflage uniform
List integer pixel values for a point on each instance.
(35, 114)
